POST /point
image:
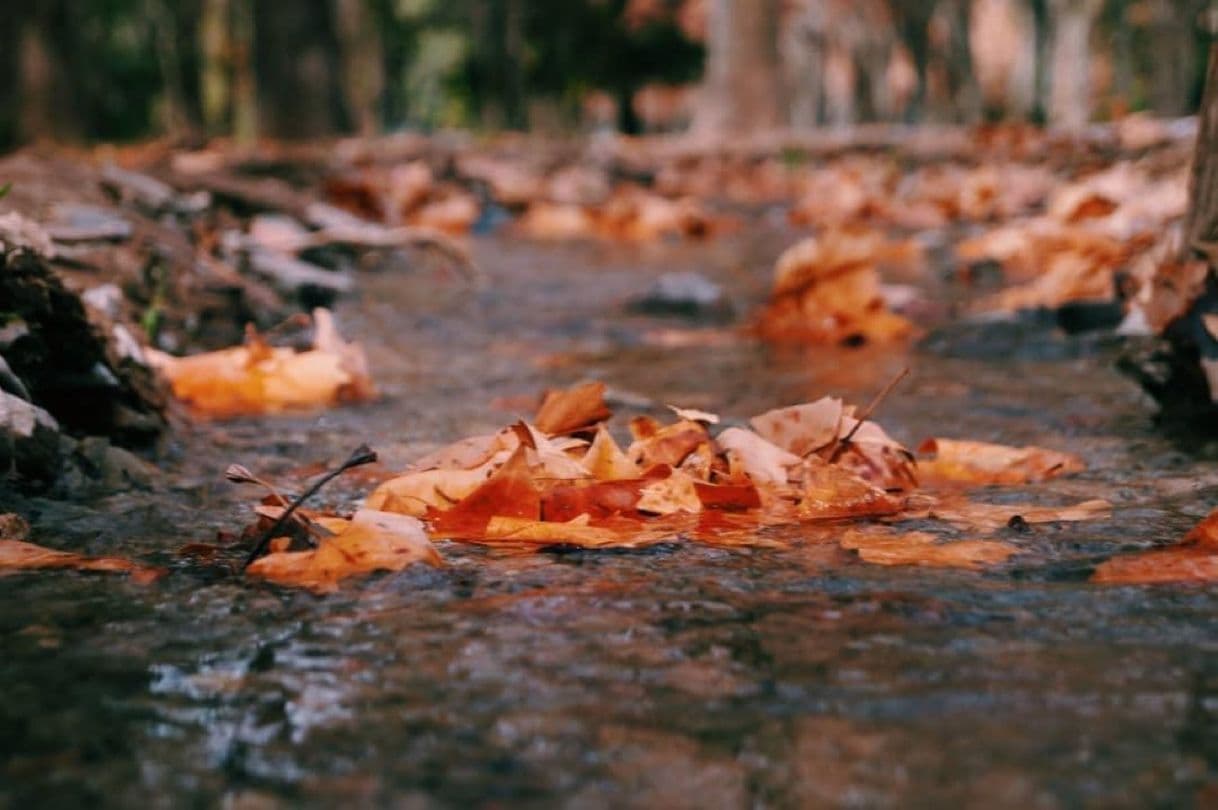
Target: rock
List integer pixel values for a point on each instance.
(14, 527)
(69, 365)
(687, 295)
(73, 224)
(112, 468)
(29, 442)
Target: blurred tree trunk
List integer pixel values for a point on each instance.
(363, 57)
(1070, 92)
(216, 64)
(804, 49)
(912, 18)
(46, 94)
(297, 64)
(743, 89)
(1201, 224)
(497, 65)
(1175, 48)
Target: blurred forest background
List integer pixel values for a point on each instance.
(82, 70)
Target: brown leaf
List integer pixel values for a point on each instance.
(510, 492)
(577, 532)
(417, 492)
(831, 492)
(990, 517)
(667, 445)
(802, 429)
(605, 460)
(573, 409)
(982, 463)
(18, 555)
(925, 549)
(370, 541)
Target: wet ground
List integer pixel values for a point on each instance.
(677, 677)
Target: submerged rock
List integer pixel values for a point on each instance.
(686, 295)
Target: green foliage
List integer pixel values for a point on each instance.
(5, 189)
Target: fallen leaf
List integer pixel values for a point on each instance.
(258, 379)
(370, 541)
(694, 415)
(674, 493)
(415, 493)
(827, 290)
(573, 409)
(605, 460)
(829, 492)
(924, 549)
(666, 445)
(510, 492)
(18, 555)
(990, 517)
(802, 429)
(577, 532)
(982, 463)
(762, 461)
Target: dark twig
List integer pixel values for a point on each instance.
(844, 442)
(360, 456)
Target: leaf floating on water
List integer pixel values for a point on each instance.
(988, 518)
(1194, 559)
(882, 547)
(370, 541)
(259, 379)
(981, 463)
(18, 555)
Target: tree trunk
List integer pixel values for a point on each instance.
(47, 101)
(1201, 224)
(363, 57)
(297, 66)
(1070, 93)
(1175, 50)
(743, 86)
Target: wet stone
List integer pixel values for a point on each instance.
(685, 295)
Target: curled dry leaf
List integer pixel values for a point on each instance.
(417, 492)
(605, 460)
(751, 456)
(370, 541)
(827, 290)
(510, 492)
(669, 445)
(572, 410)
(981, 463)
(259, 379)
(18, 555)
(883, 547)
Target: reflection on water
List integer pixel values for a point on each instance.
(675, 677)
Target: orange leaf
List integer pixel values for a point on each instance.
(668, 445)
(258, 379)
(728, 497)
(990, 517)
(605, 460)
(831, 492)
(923, 548)
(676, 493)
(577, 532)
(600, 499)
(18, 555)
(370, 541)
(573, 409)
(510, 492)
(417, 492)
(982, 463)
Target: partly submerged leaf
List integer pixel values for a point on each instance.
(415, 493)
(510, 492)
(990, 517)
(259, 379)
(370, 541)
(925, 549)
(982, 463)
(18, 555)
(829, 492)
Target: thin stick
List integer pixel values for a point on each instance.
(360, 456)
(866, 414)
